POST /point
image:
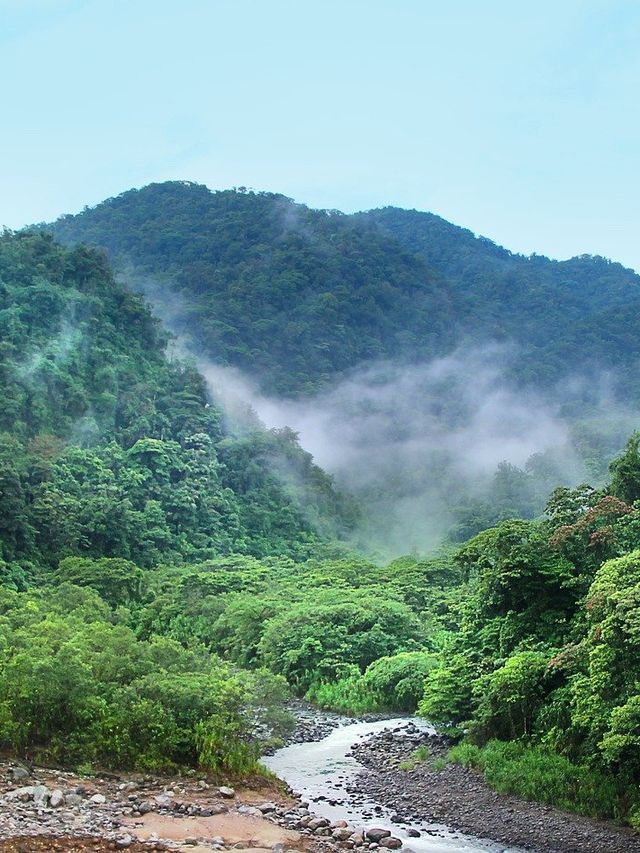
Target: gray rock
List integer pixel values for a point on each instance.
(57, 799)
(318, 823)
(73, 799)
(391, 843)
(164, 801)
(226, 792)
(267, 808)
(41, 795)
(342, 833)
(98, 799)
(251, 810)
(376, 834)
(124, 841)
(19, 774)
(23, 794)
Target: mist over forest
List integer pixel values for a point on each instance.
(251, 451)
(444, 382)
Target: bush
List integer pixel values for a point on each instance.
(534, 773)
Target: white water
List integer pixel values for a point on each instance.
(319, 772)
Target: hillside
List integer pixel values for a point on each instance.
(293, 295)
(107, 448)
(299, 297)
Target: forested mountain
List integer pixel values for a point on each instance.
(298, 296)
(110, 449)
(293, 295)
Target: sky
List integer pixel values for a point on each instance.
(519, 120)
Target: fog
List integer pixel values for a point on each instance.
(415, 443)
(419, 445)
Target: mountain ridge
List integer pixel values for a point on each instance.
(299, 297)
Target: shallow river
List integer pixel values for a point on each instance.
(320, 772)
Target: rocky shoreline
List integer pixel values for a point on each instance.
(51, 810)
(434, 791)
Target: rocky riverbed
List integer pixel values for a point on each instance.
(51, 810)
(434, 791)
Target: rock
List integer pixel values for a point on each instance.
(252, 810)
(19, 774)
(391, 843)
(57, 799)
(73, 799)
(376, 834)
(191, 842)
(41, 795)
(123, 842)
(278, 848)
(342, 833)
(318, 823)
(98, 799)
(22, 794)
(164, 801)
(338, 824)
(413, 833)
(226, 792)
(267, 808)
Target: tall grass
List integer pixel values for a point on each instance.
(347, 696)
(534, 773)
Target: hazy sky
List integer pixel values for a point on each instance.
(519, 120)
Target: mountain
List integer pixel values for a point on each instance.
(299, 297)
(108, 448)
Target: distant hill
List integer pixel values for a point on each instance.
(299, 296)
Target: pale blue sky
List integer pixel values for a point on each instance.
(519, 120)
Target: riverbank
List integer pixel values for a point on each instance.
(52, 810)
(434, 791)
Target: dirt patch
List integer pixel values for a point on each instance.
(47, 844)
(234, 828)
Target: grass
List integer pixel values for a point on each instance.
(419, 757)
(533, 773)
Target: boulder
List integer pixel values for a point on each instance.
(342, 833)
(376, 834)
(98, 799)
(226, 792)
(23, 794)
(57, 799)
(19, 774)
(391, 843)
(41, 795)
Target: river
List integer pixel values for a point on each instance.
(321, 771)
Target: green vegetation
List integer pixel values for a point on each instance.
(419, 757)
(543, 666)
(298, 296)
(166, 582)
(295, 296)
(535, 773)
